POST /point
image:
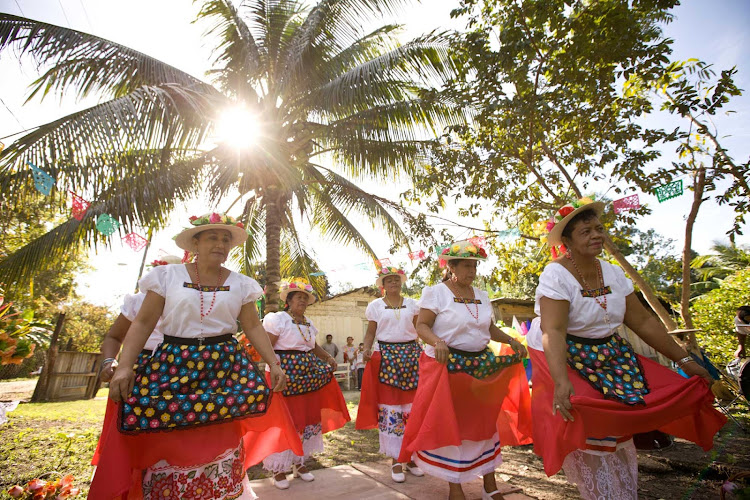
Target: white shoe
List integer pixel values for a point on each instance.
(398, 477)
(305, 476)
(414, 471)
(488, 496)
(281, 484)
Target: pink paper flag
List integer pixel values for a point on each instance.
(626, 204)
(135, 241)
(78, 205)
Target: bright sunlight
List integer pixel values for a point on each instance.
(238, 127)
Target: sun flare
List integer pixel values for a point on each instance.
(238, 127)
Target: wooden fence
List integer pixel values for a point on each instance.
(74, 376)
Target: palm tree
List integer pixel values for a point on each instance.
(333, 105)
(713, 268)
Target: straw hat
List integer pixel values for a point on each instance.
(212, 220)
(167, 259)
(297, 285)
(390, 271)
(469, 249)
(566, 213)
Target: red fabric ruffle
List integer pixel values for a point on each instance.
(452, 407)
(326, 405)
(374, 393)
(122, 457)
(675, 405)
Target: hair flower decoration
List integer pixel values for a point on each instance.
(467, 249)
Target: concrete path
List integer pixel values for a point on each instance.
(370, 480)
(17, 390)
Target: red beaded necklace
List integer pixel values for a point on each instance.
(603, 302)
(200, 289)
(475, 314)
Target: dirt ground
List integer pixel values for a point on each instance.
(62, 436)
(17, 390)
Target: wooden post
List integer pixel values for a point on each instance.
(40, 391)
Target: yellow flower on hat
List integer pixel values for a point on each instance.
(455, 248)
(585, 201)
(471, 249)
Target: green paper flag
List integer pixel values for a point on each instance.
(669, 191)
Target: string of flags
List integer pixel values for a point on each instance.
(105, 223)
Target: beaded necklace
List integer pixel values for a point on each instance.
(396, 310)
(601, 300)
(475, 314)
(200, 289)
(307, 338)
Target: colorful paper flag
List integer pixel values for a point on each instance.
(626, 204)
(43, 182)
(135, 241)
(362, 265)
(321, 273)
(419, 255)
(382, 263)
(509, 234)
(106, 224)
(669, 191)
(78, 206)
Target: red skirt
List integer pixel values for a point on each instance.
(675, 405)
(450, 408)
(325, 406)
(375, 393)
(122, 458)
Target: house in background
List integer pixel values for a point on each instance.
(342, 316)
(505, 309)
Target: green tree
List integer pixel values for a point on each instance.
(321, 89)
(689, 91)
(714, 314)
(725, 260)
(545, 78)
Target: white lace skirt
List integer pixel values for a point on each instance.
(391, 424)
(312, 442)
(604, 475)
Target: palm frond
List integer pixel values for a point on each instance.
(90, 148)
(86, 63)
(143, 200)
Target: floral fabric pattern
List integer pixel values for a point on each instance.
(305, 372)
(392, 420)
(220, 479)
(399, 364)
(611, 367)
(480, 364)
(186, 385)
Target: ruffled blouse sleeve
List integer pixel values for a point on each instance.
(155, 281)
(553, 285)
(372, 313)
(413, 307)
(273, 323)
(130, 306)
(623, 282)
(430, 299)
(251, 290)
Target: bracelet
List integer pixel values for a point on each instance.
(684, 361)
(106, 361)
(439, 341)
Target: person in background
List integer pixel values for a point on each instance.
(742, 327)
(392, 373)
(313, 396)
(360, 364)
(469, 401)
(330, 347)
(350, 351)
(112, 343)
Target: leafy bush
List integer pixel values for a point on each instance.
(714, 314)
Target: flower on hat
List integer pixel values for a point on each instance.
(240, 225)
(472, 248)
(445, 251)
(192, 218)
(566, 210)
(455, 248)
(214, 218)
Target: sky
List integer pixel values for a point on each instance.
(714, 31)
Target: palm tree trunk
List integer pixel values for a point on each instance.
(645, 288)
(699, 184)
(271, 200)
